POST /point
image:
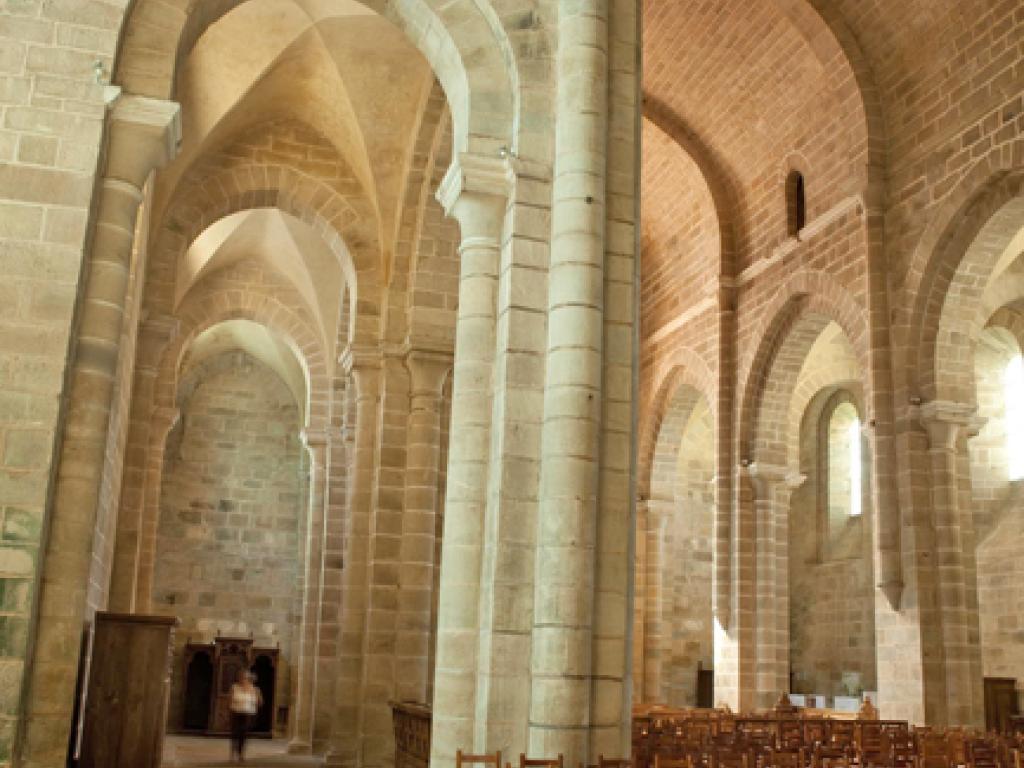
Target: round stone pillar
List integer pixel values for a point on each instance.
(953, 679)
(416, 599)
(475, 193)
(143, 134)
(346, 741)
(303, 706)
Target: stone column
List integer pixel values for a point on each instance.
(143, 135)
(154, 334)
(475, 192)
(773, 486)
(953, 683)
(304, 668)
(562, 672)
(427, 370)
(364, 367)
(162, 421)
(658, 512)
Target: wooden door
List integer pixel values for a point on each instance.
(705, 688)
(1000, 703)
(129, 682)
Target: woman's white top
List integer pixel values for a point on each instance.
(244, 701)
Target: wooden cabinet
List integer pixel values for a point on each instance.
(210, 671)
(129, 682)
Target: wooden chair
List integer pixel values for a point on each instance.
(784, 758)
(542, 762)
(842, 733)
(668, 762)
(815, 732)
(872, 745)
(614, 762)
(932, 750)
(981, 753)
(729, 758)
(830, 756)
(790, 735)
(482, 760)
(903, 751)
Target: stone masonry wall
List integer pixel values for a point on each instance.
(51, 114)
(230, 507)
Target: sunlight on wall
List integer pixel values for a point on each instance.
(1013, 383)
(855, 468)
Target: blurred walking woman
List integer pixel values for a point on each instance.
(246, 701)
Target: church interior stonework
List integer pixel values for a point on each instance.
(598, 383)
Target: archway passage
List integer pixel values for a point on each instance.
(232, 502)
(674, 563)
(831, 563)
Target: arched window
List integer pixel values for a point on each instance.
(845, 473)
(796, 203)
(1013, 389)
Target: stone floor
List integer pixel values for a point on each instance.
(196, 752)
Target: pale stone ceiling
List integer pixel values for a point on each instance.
(336, 67)
(278, 240)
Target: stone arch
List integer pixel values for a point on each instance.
(463, 41)
(950, 269)
(847, 376)
(344, 225)
(1008, 289)
(685, 369)
(264, 309)
(790, 325)
(1011, 319)
(809, 17)
(716, 176)
(197, 317)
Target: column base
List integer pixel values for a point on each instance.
(299, 747)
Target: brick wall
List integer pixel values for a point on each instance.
(230, 506)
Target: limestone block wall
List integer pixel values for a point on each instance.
(1000, 599)
(687, 547)
(230, 506)
(52, 119)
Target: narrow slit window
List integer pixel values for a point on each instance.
(1013, 389)
(796, 203)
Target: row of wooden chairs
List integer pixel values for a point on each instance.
(493, 760)
(877, 749)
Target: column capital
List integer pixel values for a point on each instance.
(155, 332)
(427, 369)
(475, 191)
(943, 420)
(314, 438)
(766, 477)
(144, 135)
(364, 365)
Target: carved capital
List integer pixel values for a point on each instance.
(144, 135)
(475, 191)
(427, 370)
(364, 365)
(943, 420)
(765, 478)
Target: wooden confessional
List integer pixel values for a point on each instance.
(210, 671)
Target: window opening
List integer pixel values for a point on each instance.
(796, 203)
(853, 435)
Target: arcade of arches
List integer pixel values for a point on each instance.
(527, 358)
